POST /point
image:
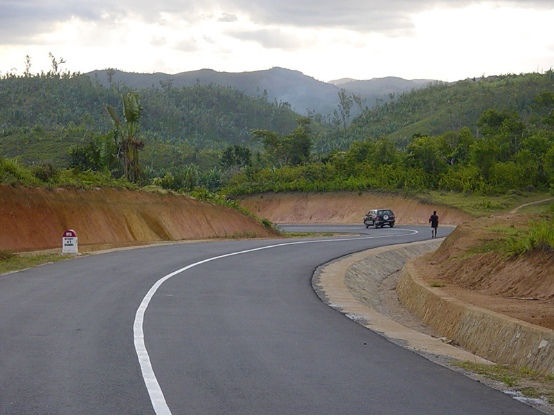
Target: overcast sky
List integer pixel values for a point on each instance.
(326, 39)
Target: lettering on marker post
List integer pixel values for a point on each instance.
(69, 242)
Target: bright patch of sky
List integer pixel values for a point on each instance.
(326, 39)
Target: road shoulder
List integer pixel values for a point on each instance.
(377, 308)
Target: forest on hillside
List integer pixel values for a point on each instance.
(43, 115)
(481, 135)
(443, 107)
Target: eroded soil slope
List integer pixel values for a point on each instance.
(344, 208)
(522, 288)
(519, 287)
(35, 219)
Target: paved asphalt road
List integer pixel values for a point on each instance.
(241, 333)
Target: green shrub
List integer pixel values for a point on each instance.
(13, 173)
(266, 223)
(90, 179)
(7, 255)
(45, 172)
(538, 236)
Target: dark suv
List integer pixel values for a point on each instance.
(379, 218)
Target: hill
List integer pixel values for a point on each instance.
(277, 85)
(439, 108)
(305, 94)
(185, 115)
(42, 116)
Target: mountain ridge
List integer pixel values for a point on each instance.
(303, 93)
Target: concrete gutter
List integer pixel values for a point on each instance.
(495, 336)
(351, 286)
(355, 286)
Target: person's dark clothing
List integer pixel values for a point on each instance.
(434, 220)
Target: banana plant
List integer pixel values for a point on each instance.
(127, 137)
(106, 150)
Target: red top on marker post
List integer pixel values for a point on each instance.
(69, 242)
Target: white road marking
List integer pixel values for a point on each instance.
(154, 390)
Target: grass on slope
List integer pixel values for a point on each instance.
(10, 262)
(480, 205)
(518, 380)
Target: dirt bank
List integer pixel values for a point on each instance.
(522, 288)
(35, 219)
(344, 208)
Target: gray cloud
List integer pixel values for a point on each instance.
(187, 45)
(227, 18)
(269, 38)
(359, 15)
(20, 20)
(388, 17)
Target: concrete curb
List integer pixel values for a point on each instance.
(491, 335)
(351, 285)
(360, 302)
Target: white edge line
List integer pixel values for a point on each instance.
(154, 390)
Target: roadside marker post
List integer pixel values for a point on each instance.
(69, 242)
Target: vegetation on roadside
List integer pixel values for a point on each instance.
(481, 136)
(15, 173)
(482, 205)
(10, 261)
(532, 236)
(311, 234)
(528, 383)
(508, 154)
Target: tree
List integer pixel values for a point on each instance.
(424, 153)
(385, 152)
(127, 137)
(454, 147)
(544, 102)
(236, 156)
(301, 142)
(27, 65)
(98, 155)
(484, 155)
(359, 152)
(291, 149)
(110, 72)
(345, 105)
(506, 128)
(55, 63)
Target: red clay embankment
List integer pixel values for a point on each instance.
(344, 208)
(35, 219)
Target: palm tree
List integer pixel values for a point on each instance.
(127, 137)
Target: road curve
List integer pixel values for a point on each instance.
(231, 327)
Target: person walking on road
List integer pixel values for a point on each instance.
(434, 220)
